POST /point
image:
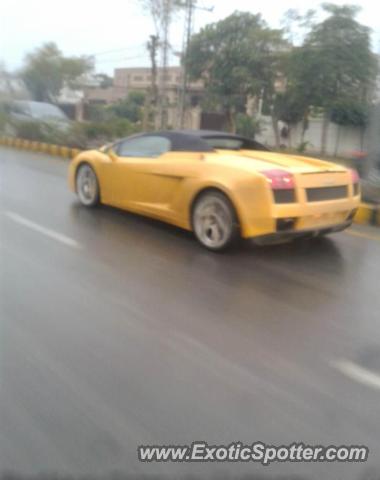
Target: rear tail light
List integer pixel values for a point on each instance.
(279, 179)
(354, 176)
(355, 181)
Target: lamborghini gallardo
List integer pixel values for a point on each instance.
(219, 186)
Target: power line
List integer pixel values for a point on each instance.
(106, 52)
(121, 59)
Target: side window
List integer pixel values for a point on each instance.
(17, 108)
(149, 146)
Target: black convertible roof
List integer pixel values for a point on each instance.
(196, 140)
(182, 141)
(210, 133)
(200, 140)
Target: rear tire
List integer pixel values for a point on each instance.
(87, 186)
(214, 221)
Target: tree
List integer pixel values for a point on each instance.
(46, 71)
(162, 12)
(296, 24)
(236, 57)
(349, 112)
(290, 108)
(337, 62)
(130, 108)
(105, 80)
(302, 90)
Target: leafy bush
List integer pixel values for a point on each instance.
(78, 135)
(94, 130)
(130, 108)
(97, 113)
(30, 130)
(349, 112)
(115, 128)
(121, 127)
(3, 121)
(302, 147)
(247, 126)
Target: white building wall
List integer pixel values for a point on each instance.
(341, 140)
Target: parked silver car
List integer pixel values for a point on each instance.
(29, 111)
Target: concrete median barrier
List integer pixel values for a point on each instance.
(368, 214)
(35, 146)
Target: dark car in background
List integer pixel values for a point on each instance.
(30, 111)
(371, 182)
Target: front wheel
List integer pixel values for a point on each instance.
(87, 186)
(214, 221)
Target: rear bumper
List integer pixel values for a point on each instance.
(298, 218)
(280, 237)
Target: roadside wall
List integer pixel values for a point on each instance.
(342, 141)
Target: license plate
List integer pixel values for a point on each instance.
(321, 220)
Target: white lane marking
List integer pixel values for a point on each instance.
(358, 373)
(59, 237)
(368, 236)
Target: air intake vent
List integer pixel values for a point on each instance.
(284, 196)
(326, 193)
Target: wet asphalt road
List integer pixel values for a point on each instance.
(136, 335)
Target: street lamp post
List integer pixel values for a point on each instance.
(190, 6)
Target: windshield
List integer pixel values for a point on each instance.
(46, 110)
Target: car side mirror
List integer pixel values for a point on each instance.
(111, 153)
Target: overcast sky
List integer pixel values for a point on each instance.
(83, 27)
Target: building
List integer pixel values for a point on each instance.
(139, 79)
(12, 88)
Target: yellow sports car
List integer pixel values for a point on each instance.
(218, 185)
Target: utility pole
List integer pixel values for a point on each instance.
(190, 6)
(166, 18)
(188, 30)
(152, 97)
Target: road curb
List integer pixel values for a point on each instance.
(368, 214)
(34, 146)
